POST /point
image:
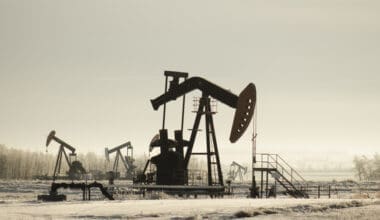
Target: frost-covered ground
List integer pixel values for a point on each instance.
(196, 209)
(18, 201)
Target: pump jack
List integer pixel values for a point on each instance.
(75, 167)
(236, 170)
(172, 166)
(127, 160)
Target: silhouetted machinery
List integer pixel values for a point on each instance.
(172, 162)
(127, 161)
(237, 170)
(76, 169)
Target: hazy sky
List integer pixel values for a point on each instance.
(89, 68)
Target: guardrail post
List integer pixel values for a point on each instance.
(89, 193)
(84, 193)
(319, 191)
(262, 184)
(329, 191)
(266, 185)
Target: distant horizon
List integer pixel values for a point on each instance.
(301, 165)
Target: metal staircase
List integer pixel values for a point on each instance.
(282, 173)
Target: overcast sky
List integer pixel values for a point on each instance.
(89, 68)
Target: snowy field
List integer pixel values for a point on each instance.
(18, 201)
(196, 209)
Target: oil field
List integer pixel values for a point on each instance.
(192, 110)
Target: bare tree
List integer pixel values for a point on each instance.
(367, 168)
(360, 167)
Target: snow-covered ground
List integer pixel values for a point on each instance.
(18, 200)
(194, 209)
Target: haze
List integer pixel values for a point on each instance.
(89, 68)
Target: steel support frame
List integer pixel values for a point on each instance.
(58, 162)
(205, 109)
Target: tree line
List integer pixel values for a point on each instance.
(366, 168)
(22, 164)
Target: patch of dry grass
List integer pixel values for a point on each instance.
(298, 209)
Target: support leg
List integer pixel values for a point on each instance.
(275, 188)
(57, 167)
(116, 163)
(211, 122)
(209, 171)
(194, 132)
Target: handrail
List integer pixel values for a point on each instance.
(292, 179)
(292, 170)
(291, 167)
(276, 161)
